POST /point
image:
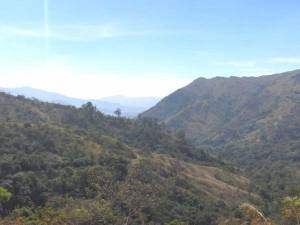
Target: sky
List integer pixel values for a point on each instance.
(96, 48)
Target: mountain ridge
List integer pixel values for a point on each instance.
(252, 121)
(217, 91)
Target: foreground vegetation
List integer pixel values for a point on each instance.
(289, 213)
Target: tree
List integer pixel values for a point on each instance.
(291, 208)
(5, 195)
(118, 112)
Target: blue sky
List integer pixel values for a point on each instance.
(94, 48)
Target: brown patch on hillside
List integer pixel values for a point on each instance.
(216, 183)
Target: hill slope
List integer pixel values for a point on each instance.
(253, 121)
(77, 166)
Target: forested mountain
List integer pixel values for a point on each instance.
(67, 165)
(252, 121)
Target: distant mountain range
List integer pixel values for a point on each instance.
(129, 106)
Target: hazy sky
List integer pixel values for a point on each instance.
(94, 48)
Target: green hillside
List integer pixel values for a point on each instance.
(65, 165)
